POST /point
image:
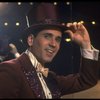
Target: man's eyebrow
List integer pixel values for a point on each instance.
(47, 33)
(50, 33)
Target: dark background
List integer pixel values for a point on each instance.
(67, 60)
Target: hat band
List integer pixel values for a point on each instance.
(49, 21)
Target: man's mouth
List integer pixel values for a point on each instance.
(50, 51)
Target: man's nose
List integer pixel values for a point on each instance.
(53, 42)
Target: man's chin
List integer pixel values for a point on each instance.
(48, 60)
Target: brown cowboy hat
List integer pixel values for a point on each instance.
(43, 15)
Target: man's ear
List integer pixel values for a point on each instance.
(30, 39)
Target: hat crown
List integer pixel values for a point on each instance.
(42, 13)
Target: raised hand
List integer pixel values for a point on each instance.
(79, 34)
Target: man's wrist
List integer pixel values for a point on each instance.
(92, 53)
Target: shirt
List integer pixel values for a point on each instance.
(92, 54)
(35, 63)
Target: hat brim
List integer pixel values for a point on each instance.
(38, 27)
(43, 26)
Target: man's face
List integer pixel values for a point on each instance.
(46, 45)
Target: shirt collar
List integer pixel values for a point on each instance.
(32, 58)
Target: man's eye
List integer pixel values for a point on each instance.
(47, 36)
(58, 40)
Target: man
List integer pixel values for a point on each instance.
(27, 77)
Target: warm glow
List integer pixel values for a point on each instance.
(82, 22)
(68, 3)
(6, 24)
(93, 22)
(19, 3)
(31, 3)
(17, 23)
(67, 39)
(55, 3)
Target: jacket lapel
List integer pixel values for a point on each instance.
(31, 76)
(53, 86)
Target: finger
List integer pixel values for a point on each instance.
(69, 24)
(72, 26)
(75, 26)
(79, 25)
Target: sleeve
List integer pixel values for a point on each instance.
(92, 54)
(86, 78)
(9, 81)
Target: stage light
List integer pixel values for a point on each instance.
(68, 3)
(82, 22)
(31, 3)
(55, 3)
(93, 22)
(67, 39)
(6, 24)
(19, 3)
(17, 23)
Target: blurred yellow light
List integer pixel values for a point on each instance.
(93, 22)
(55, 3)
(68, 3)
(6, 24)
(82, 22)
(17, 23)
(67, 39)
(19, 3)
(31, 3)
